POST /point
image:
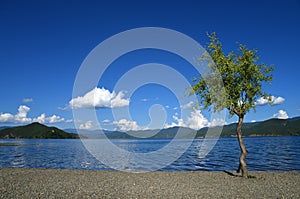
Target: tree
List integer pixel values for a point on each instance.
(243, 79)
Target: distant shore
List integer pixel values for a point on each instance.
(271, 127)
(50, 183)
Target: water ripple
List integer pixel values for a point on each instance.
(265, 153)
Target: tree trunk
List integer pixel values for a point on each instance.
(242, 165)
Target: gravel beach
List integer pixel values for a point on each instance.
(51, 183)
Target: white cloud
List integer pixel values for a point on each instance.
(127, 125)
(119, 101)
(86, 126)
(27, 100)
(21, 117)
(52, 119)
(106, 121)
(189, 105)
(55, 119)
(281, 115)
(23, 110)
(99, 98)
(195, 121)
(278, 100)
(274, 101)
(217, 122)
(253, 121)
(6, 117)
(40, 119)
(166, 125)
(179, 121)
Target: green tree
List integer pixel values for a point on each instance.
(243, 79)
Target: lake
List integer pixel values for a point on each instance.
(265, 153)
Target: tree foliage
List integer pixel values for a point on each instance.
(242, 78)
(234, 82)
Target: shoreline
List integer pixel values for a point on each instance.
(181, 138)
(50, 183)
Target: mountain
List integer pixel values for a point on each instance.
(93, 134)
(3, 127)
(272, 127)
(276, 127)
(35, 130)
(182, 132)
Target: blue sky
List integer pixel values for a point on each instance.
(43, 44)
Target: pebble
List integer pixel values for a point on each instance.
(51, 183)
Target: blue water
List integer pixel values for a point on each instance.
(265, 153)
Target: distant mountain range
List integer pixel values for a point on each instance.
(272, 127)
(35, 130)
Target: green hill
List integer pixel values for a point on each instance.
(272, 127)
(35, 130)
(181, 132)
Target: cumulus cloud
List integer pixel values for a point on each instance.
(281, 115)
(217, 122)
(278, 100)
(99, 98)
(86, 126)
(189, 105)
(127, 125)
(27, 100)
(274, 101)
(195, 121)
(119, 100)
(21, 117)
(106, 121)
(6, 117)
(41, 118)
(177, 122)
(52, 119)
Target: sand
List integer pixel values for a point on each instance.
(52, 183)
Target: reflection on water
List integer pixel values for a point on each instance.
(265, 153)
(141, 146)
